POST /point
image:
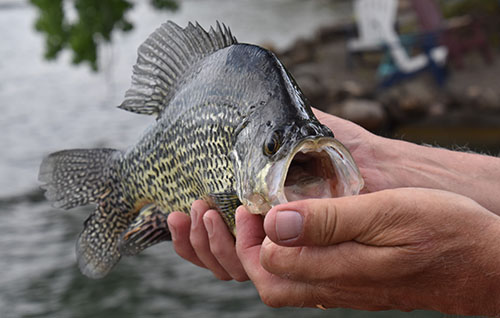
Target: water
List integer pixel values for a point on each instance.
(48, 106)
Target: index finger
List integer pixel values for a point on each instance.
(273, 290)
(249, 237)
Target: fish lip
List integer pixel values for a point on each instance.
(347, 173)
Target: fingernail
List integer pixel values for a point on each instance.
(288, 225)
(208, 225)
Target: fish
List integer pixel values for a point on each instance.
(231, 127)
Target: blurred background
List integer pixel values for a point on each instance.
(65, 65)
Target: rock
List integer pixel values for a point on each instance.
(366, 113)
(349, 89)
(307, 69)
(319, 66)
(352, 88)
(336, 32)
(437, 109)
(473, 92)
(309, 79)
(301, 52)
(411, 100)
(484, 98)
(490, 99)
(312, 88)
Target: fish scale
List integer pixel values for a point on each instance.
(193, 152)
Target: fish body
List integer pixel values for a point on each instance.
(232, 128)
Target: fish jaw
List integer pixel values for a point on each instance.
(316, 168)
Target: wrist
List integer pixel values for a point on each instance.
(403, 164)
(391, 163)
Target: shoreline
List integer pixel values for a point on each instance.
(464, 112)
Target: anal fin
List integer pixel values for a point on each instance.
(148, 228)
(97, 247)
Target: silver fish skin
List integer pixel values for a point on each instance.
(232, 127)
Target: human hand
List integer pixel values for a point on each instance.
(396, 249)
(204, 240)
(364, 147)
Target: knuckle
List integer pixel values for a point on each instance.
(330, 223)
(270, 258)
(197, 241)
(240, 277)
(199, 205)
(392, 200)
(325, 224)
(222, 276)
(183, 254)
(188, 257)
(271, 299)
(181, 249)
(273, 293)
(219, 250)
(325, 296)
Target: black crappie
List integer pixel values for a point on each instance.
(232, 127)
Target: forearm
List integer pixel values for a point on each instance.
(476, 176)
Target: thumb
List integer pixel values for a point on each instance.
(322, 222)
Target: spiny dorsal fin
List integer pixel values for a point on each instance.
(163, 59)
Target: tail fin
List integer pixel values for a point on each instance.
(75, 177)
(78, 177)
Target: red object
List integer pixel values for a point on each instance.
(460, 35)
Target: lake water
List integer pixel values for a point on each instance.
(48, 106)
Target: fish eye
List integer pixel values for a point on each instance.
(272, 144)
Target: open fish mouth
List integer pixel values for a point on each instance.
(316, 168)
(311, 175)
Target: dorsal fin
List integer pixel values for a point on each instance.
(163, 59)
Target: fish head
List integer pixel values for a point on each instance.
(282, 153)
(293, 163)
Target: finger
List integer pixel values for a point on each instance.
(347, 264)
(345, 131)
(326, 222)
(276, 291)
(249, 238)
(345, 233)
(322, 116)
(179, 225)
(199, 240)
(222, 245)
(273, 290)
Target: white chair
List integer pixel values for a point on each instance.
(376, 20)
(373, 18)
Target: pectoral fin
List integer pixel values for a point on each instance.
(149, 227)
(226, 203)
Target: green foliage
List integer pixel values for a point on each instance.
(165, 4)
(94, 24)
(476, 7)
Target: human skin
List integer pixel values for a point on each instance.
(387, 164)
(384, 164)
(368, 252)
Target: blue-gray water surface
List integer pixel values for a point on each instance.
(48, 106)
